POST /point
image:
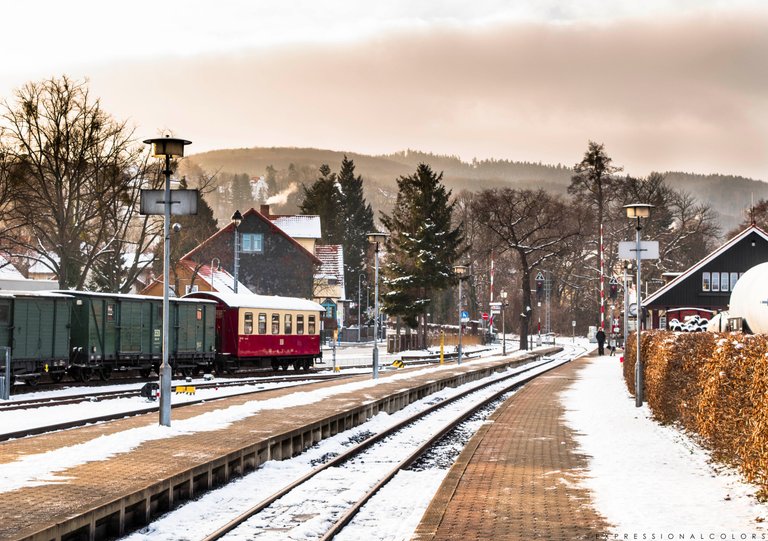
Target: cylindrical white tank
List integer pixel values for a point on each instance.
(749, 299)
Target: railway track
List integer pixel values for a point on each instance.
(133, 393)
(305, 506)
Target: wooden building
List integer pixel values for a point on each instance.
(705, 288)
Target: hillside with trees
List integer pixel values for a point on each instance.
(287, 169)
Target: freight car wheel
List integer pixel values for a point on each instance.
(57, 377)
(145, 372)
(85, 374)
(105, 372)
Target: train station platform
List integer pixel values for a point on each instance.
(103, 497)
(515, 480)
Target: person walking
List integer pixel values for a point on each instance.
(612, 344)
(600, 341)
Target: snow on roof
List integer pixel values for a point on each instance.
(8, 271)
(218, 278)
(251, 300)
(331, 257)
(299, 226)
(75, 293)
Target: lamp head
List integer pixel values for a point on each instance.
(375, 237)
(167, 146)
(237, 218)
(638, 210)
(460, 270)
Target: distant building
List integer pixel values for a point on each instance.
(705, 288)
(329, 284)
(11, 279)
(271, 262)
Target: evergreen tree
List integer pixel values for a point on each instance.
(242, 197)
(271, 179)
(422, 247)
(356, 220)
(323, 199)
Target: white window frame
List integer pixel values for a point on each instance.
(706, 281)
(724, 281)
(715, 282)
(252, 243)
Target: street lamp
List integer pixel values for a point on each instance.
(359, 288)
(636, 211)
(166, 147)
(237, 219)
(461, 272)
(376, 238)
(503, 295)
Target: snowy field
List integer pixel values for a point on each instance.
(652, 481)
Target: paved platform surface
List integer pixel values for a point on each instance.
(515, 479)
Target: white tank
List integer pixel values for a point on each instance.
(749, 299)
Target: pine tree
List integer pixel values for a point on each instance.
(323, 199)
(422, 247)
(356, 220)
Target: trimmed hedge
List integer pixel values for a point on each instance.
(714, 385)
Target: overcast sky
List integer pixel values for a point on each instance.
(666, 85)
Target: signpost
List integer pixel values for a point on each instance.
(649, 249)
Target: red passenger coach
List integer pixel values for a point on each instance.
(265, 331)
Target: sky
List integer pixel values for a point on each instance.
(664, 84)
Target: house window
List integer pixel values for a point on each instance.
(275, 323)
(262, 323)
(311, 327)
(300, 324)
(190, 289)
(715, 281)
(288, 323)
(723, 281)
(734, 279)
(253, 242)
(248, 323)
(705, 281)
(330, 309)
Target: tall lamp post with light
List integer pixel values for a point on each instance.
(166, 147)
(461, 272)
(376, 238)
(237, 219)
(503, 295)
(636, 211)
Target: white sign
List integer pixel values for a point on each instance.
(649, 249)
(496, 305)
(183, 202)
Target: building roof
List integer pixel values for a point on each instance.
(332, 266)
(250, 300)
(300, 226)
(217, 278)
(722, 249)
(8, 271)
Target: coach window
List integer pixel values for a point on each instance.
(262, 323)
(705, 281)
(110, 312)
(288, 324)
(248, 324)
(311, 325)
(199, 314)
(300, 324)
(275, 323)
(5, 314)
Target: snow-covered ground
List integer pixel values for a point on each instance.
(652, 481)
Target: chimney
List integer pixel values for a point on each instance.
(264, 210)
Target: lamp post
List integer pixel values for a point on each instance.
(166, 147)
(359, 290)
(636, 211)
(627, 266)
(461, 271)
(237, 219)
(503, 295)
(376, 238)
(213, 269)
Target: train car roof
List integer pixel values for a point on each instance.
(251, 300)
(74, 293)
(8, 294)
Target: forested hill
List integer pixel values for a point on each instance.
(729, 195)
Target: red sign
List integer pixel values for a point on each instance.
(485, 316)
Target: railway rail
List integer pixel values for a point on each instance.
(132, 393)
(277, 514)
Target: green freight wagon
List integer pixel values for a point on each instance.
(118, 332)
(35, 325)
(192, 340)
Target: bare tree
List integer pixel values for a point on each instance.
(532, 225)
(73, 162)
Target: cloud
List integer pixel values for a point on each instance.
(675, 94)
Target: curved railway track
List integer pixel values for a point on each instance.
(277, 514)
